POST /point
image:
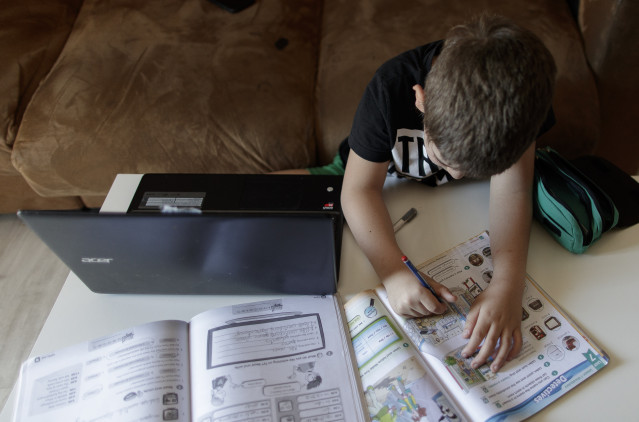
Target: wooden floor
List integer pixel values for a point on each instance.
(31, 277)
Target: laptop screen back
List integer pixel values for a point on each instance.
(210, 253)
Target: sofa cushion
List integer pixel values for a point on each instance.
(16, 194)
(173, 86)
(32, 33)
(358, 36)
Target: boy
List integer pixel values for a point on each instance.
(487, 95)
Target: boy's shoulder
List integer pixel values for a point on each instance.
(418, 59)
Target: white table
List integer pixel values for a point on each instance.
(599, 289)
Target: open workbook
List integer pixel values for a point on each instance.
(412, 369)
(278, 360)
(292, 359)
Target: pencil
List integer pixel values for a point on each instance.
(423, 282)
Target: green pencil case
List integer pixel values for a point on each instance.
(572, 207)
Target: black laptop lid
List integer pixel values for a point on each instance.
(238, 192)
(210, 253)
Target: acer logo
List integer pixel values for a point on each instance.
(97, 260)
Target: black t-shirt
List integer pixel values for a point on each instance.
(388, 125)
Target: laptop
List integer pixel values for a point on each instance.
(243, 249)
(238, 192)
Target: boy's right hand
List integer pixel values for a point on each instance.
(410, 299)
(371, 225)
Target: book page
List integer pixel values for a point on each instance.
(137, 374)
(279, 360)
(556, 355)
(397, 384)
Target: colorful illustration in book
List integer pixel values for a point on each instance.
(472, 287)
(371, 310)
(475, 260)
(537, 332)
(449, 414)
(535, 304)
(464, 374)
(392, 398)
(487, 276)
(570, 343)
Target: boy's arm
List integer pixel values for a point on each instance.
(371, 225)
(496, 314)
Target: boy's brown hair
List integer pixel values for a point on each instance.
(487, 95)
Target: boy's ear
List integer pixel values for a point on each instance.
(419, 97)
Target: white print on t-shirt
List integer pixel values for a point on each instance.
(410, 158)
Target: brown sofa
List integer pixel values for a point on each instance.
(93, 88)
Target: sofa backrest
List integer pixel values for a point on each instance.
(32, 34)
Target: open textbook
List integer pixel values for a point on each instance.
(292, 360)
(278, 360)
(412, 369)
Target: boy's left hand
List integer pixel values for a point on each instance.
(495, 319)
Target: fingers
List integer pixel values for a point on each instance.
(502, 347)
(479, 337)
(432, 303)
(417, 300)
(443, 292)
(509, 347)
(423, 304)
(501, 353)
(486, 350)
(516, 347)
(469, 327)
